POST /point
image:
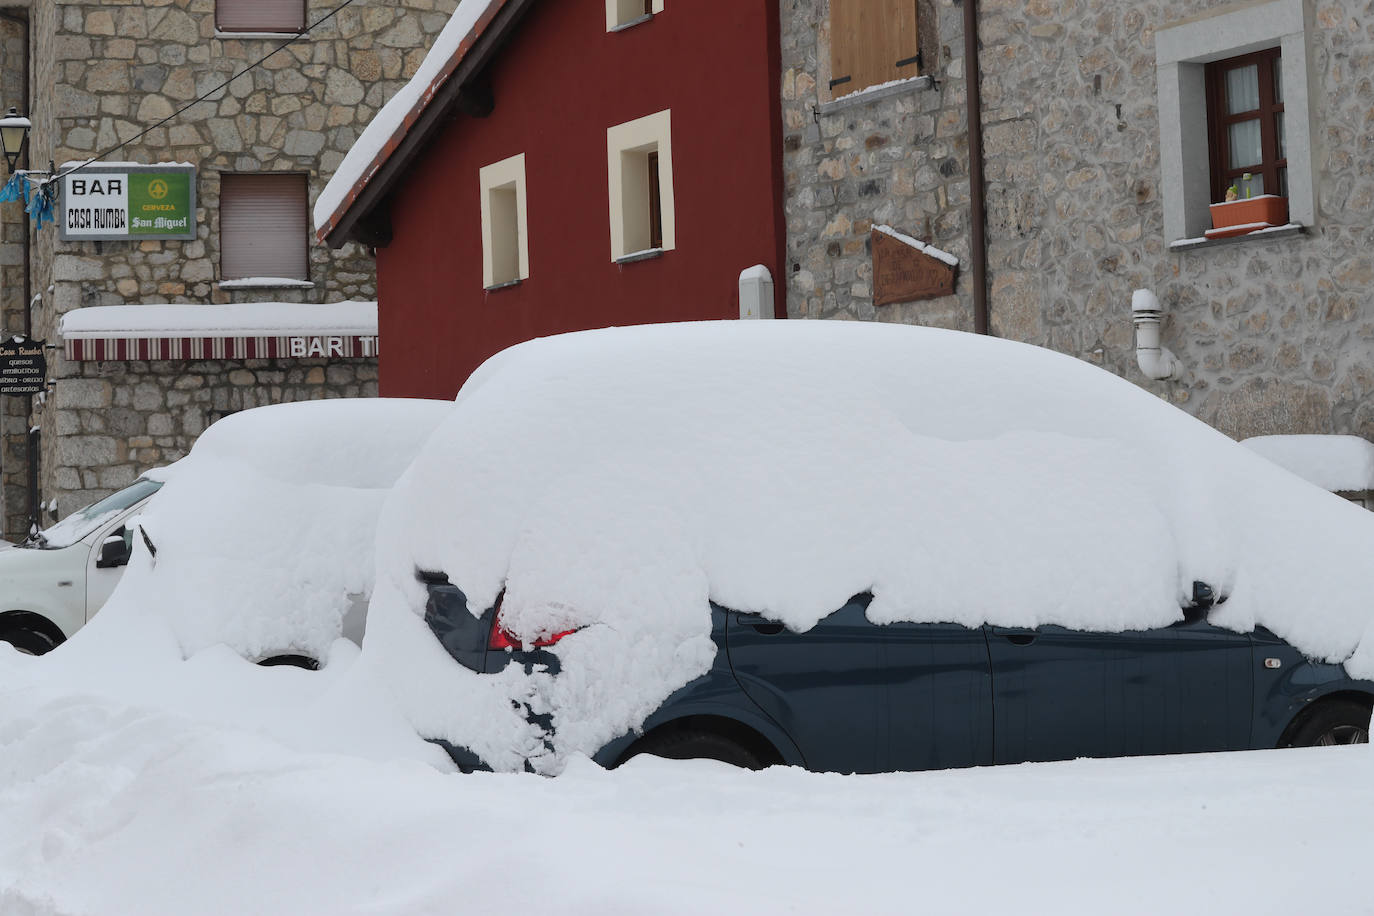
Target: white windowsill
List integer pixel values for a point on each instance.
(504, 285)
(265, 283)
(221, 34)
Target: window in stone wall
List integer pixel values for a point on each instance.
(1234, 97)
(622, 14)
(274, 16)
(1245, 123)
(872, 42)
(264, 229)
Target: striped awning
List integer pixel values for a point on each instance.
(256, 330)
(303, 346)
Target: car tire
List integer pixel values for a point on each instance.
(697, 745)
(1333, 722)
(27, 641)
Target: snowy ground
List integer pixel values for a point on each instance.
(113, 809)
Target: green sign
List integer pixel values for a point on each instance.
(128, 202)
(159, 203)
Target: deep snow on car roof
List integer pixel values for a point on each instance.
(625, 476)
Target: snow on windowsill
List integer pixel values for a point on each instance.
(874, 93)
(644, 255)
(639, 20)
(244, 319)
(231, 35)
(1272, 232)
(950, 259)
(265, 283)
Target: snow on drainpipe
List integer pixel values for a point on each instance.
(1155, 361)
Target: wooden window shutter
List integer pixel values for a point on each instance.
(263, 227)
(872, 42)
(260, 15)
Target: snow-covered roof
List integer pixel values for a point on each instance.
(402, 111)
(243, 319)
(1336, 463)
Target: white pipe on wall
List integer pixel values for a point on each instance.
(1155, 361)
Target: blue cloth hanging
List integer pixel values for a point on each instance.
(40, 206)
(17, 188)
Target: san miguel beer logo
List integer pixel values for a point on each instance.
(128, 202)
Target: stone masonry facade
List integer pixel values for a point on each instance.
(1277, 336)
(117, 420)
(102, 73)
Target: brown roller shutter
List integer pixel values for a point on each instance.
(263, 228)
(260, 15)
(871, 42)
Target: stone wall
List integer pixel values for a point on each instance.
(126, 66)
(14, 411)
(1276, 335)
(106, 71)
(112, 421)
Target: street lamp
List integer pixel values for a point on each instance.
(14, 133)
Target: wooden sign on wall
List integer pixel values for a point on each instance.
(902, 273)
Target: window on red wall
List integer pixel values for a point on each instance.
(1245, 123)
(264, 230)
(260, 15)
(623, 13)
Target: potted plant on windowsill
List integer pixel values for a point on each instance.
(1240, 215)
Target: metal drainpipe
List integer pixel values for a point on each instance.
(31, 434)
(978, 252)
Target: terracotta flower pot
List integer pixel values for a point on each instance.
(1238, 217)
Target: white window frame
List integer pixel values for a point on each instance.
(1181, 53)
(506, 176)
(621, 14)
(652, 133)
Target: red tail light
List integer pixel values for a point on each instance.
(501, 638)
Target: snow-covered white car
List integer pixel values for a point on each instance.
(262, 539)
(855, 546)
(57, 579)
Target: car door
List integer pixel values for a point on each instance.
(939, 688)
(1061, 693)
(824, 687)
(100, 582)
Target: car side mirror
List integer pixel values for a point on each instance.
(114, 551)
(1203, 599)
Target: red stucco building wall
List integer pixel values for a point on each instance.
(558, 85)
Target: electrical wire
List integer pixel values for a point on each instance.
(206, 96)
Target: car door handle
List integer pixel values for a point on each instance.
(1019, 639)
(759, 624)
